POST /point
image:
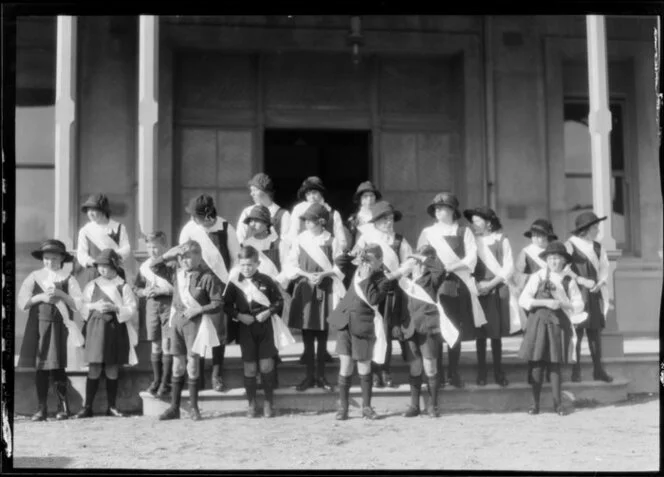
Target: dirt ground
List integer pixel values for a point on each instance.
(619, 438)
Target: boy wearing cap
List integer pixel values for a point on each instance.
(317, 290)
(396, 249)
(253, 299)
(590, 268)
(554, 303)
(360, 329)
(456, 249)
(197, 296)
(261, 189)
(50, 295)
(111, 330)
(423, 325)
(219, 248)
(493, 273)
(155, 285)
(100, 233)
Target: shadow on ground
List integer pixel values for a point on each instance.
(41, 462)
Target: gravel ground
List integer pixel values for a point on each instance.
(619, 438)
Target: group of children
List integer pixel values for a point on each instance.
(309, 271)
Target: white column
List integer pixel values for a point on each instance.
(65, 130)
(599, 122)
(148, 113)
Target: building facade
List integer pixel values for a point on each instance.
(154, 110)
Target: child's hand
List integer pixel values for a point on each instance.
(316, 278)
(597, 287)
(106, 307)
(586, 282)
(483, 287)
(263, 315)
(245, 318)
(554, 304)
(190, 313)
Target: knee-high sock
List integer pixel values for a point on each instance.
(439, 363)
(579, 338)
(177, 384)
(167, 367)
(344, 391)
(537, 375)
(388, 353)
(41, 383)
(193, 393)
(111, 391)
(218, 361)
(454, 354)
(156, 360)
(366, 383)
(321, 343)
(415, 390)
(595, 345)
(250, 388)
(201, 372)
(497, 355)
(308, 340)
(433, 389)
(480, 344)
(555, 383)
(91, 386)
(268, 385)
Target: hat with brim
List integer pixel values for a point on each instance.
(542, 227)
(310, 183)
(202, 206)
(366, 186)
(484, 212)
(315, 212)
(585, 220)
(53, 246)
(556, 248)
(97, 201)
(263, 182)
(444, 199)
(259, 212)
(382, 209)
(108, 257)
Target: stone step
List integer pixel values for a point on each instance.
(490, 398)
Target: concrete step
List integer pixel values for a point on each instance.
(490, 398)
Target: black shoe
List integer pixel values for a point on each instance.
(455, 380)
(378, 381)
(84, 413)
(411, 412)
(195, 414)
(252, 411)
(218, 385)
(342, 415)
(560, 410)
(432, 411)
(533, 410)
(306, 383)
(387, 379)
(164, 390)
(324, 384)
(267, 409)
(602, 375)
(501, 380)
(113, 412)
(39, 415)
(153, 388)
(170, 413)
(369, 413)
(62, 416)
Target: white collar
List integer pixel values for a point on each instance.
(271, 237)
(315, 239)
(217, 226)
(491, 238)
(115, 281)
(448, 229)
(53, 276)
(111, 225)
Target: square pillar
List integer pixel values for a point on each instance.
(599, 122)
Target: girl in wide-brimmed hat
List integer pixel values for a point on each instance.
(590, 268)
(396, 249)
(456, 249)
(493, 272)
(101, 232)
(261, 189)
(365, 197)
(220, 247)
(50, 295)
(554, 302)
(111, 330)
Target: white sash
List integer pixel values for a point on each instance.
(533, 252)
(281, 335)
(210, 253)
(448, 257)
(132, 326)
(317, 255)
(447, 329)
(588, 250)
(390, 258)
(560, 295)
(266, 265)
(380, 348)
(485, 254)
(206, 338)
(99, 237)
(152, 277)
(75, 337)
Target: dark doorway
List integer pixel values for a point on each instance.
(340, 158)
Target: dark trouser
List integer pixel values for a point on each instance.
(315, 361)
(537, 379)
(595, 346)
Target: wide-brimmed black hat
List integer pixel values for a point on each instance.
(444, 198)
(310, 183)
(316, 212)
(259, 212)
(543, 227)
(383, 208)
(557, 248)
(585, 220)
(97, 201)
(263, 182)
(486, 213)
(366, 186)
(110, 257)
(53, 246)
(202, 206)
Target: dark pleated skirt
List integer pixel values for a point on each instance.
(311, 305)
(459, 308)
(594, 305)
(44, 344)
(496, 306)
(106, 340)
(547, 337)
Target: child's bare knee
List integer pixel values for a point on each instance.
(156, 347)
(178, 366)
